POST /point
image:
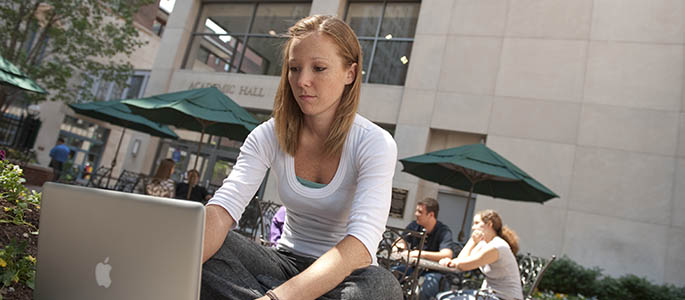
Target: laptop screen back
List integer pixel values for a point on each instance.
(99, 244)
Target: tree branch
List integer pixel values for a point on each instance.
(35, 50)
(22, 36)
(9, 46)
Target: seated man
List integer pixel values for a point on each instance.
(438, 244)
(198, 193)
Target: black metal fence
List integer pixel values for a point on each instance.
(18, 132)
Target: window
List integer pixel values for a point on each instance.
(136, 86)
(386, 33)
(106, 90)
(86, 141)
(158, 26)
(242, 37)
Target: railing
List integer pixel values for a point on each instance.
(255, 223)
(532, 268)
(18, 132)
(405, 270)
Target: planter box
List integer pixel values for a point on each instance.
(36, 175)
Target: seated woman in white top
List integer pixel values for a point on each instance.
(334, 172)
(491, 248)
(160, 185)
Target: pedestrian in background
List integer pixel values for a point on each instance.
(58, 155)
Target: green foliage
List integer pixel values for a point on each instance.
(53, 41)
(634, 287)
(18, 197)
(565, 276)
(16, 266)
(69, 172)
(557, 296)
(20, 157)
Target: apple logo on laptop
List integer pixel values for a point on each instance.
(102, 273)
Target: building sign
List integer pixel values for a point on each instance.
(399, 200)
(231, 89)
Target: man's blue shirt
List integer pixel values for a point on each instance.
(60, 153)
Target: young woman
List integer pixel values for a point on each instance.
(160, 185)
(334, 170)
(492, 248)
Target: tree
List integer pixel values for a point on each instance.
(63, 43)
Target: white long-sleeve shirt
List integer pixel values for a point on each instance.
(356, 202)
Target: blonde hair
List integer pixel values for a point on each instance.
(193, 175)
(287, 114)
(502, 231)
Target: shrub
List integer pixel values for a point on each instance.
(18, 197)
(18, 218)
(16, 266)
(634, 287)
(557, 296)
(564, 276)
(21, 157)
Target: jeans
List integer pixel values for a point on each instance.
(431, 282)
(431, 285)
(56, 169)
(243, 269)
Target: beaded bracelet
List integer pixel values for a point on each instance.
(271, 295)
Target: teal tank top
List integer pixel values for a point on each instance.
(310, 184)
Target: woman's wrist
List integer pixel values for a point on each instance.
(272, 295)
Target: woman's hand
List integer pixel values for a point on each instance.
(327, 272)
(449, 262)
(445, 261)
(477, 236)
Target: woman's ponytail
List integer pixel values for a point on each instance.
(510, 237)
(502, 231)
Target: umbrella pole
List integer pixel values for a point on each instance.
(466, 211)
(197, 157)
(114, 161)
(199, 145)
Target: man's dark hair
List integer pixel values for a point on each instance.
(431, 205)
(60, 140)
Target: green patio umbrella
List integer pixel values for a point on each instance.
(119, 114)
(476, 168)
(205, 110)
(11, 75)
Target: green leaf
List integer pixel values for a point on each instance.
(31, 283)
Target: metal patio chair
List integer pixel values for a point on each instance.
(406, 271)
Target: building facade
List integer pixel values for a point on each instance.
(586, 96)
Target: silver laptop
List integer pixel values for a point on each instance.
(99, 244)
